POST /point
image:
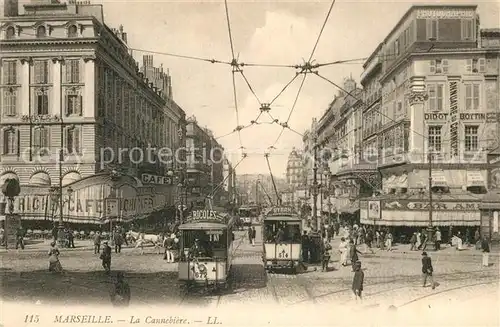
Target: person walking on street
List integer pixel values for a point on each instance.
(368, 241)
(20, 238)
(353, 254)
(438, 238)
(168, 243)
(305, 247)
(71, 239)
(97, 243)
(477, 239)
(388, 241)
(106, 257)
(413, 242)
(344, 252)
(485, 246)
(118, 242)
(54, 232)
(325, 255)
(120, 293)
(427, 270)
(54, 263)
(254, 235)
(250, 234)
(357, 281)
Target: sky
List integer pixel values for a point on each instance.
(264, 32)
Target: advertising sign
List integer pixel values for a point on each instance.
(374, 210)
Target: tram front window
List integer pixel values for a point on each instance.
(281, 232)
(204, 244)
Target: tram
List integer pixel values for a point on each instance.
(282, 229)
(249, 215)
(206, 249)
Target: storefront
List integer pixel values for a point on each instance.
(93, 200)
(457, 212)
(490, 215)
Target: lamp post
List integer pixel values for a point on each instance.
(315, 183)
(56, 196)
(430, 228)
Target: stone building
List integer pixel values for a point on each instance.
(432, 91)
(69, 83)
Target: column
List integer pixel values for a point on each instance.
(88, 109)
(56, 100)
(417, 98)
(24, 109)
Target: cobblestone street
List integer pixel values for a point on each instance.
(390, 279)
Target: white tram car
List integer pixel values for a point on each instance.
(206, 249)
(282, 229)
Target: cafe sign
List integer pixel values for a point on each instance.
(424, 205)
(155, 179)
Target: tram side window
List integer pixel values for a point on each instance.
(212, 243)
(278, 231)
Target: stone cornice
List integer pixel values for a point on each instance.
(417, 97)
(38, 42)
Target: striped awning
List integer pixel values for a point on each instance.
(402, 181)
(390, 182)
(475, 178)
(439, 179)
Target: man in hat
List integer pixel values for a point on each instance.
(106, 257)
(168, 243)
(427, 270)
(120, 293)
(485, 246)
(357, 281)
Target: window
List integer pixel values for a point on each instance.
(471, 138)
(72, 139)
(41, 102)
(475, 65)
(9, 72)
(432, 29)
(472, 92)
(41, 31)
(10, 141)
(434, 138)
(396, 47)
(41, 68)
(10, 33)
(10, 102)
(73, 104)
(436, 97)
(41, 140)
(72, 31)
(468, 29)
(73, 71)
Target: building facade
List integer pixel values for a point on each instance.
(69, 84)
(439, 106)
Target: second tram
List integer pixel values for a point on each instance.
(282, 228)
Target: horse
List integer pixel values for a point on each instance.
(142, 239)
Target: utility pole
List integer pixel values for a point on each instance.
(430, 229)
(315, 184)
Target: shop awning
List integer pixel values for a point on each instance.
(439, 179)
(475, 178)
(350, 209)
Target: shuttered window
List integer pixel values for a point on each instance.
(467, 29)
(41, 140)
(73, 71)
(472, 95)
(73, 104)
(9, 72)
(432, 29)
(436, 97)
(41, 103)
(11, 141)
(73, 140)
(41, 70)
(10, 102)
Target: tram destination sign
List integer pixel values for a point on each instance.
(205, 215)
(282, 211)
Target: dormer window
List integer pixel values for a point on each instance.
(10, 33)
(72, 31)
(41, 31)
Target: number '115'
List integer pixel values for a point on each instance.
(31, 319)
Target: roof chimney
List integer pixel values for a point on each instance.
(11, 8)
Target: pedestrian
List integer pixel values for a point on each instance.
(54, 232)
(106, 257)
(118, 242)
(413, 242)
(250, 233)
(343, 249)
(419, 241)
(353, 254)
(388, 241)
(254, 235)
(124, 237)
(485, 246)
(424, 240)
(369, 240)
(305, 247)
(71, 239)
(168, 243)
(326, 255)
(468, 237)
(54, 263)
(20, 238)
(357, 281)
(120, 293)
(97, 242)
(438, 238)
(477, 239)
(427, 270)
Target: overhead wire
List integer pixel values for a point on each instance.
(321, 31)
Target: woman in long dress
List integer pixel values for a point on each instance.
(54, 263)
(343, 252)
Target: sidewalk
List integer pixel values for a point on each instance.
(80, 245)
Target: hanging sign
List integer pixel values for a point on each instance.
(205, 215)
(282, 211)
(454, 118)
